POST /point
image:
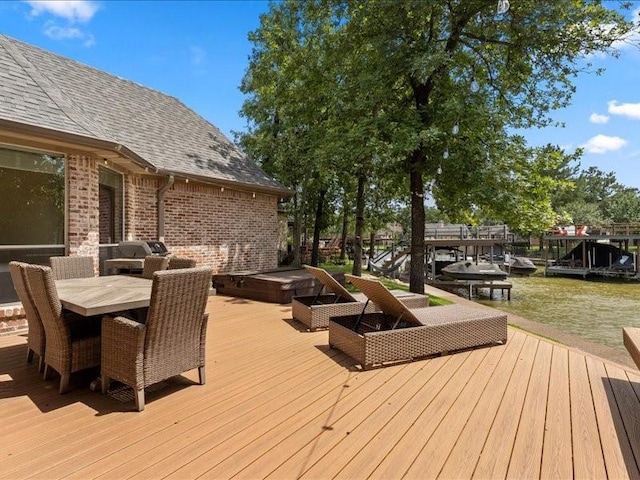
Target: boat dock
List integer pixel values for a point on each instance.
(606, 253)
(471, 287)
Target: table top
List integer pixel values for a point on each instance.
(106, 294)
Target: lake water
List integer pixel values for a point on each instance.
(593, 309)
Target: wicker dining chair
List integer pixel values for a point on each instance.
(71, 267)
(172, 340)
(35, 337)
(154, 263)
(177, 262)
(71, 346)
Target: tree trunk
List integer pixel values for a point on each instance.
(357, 244)
(416, 275)
(372, 244)
(315, 249)
(297, 233)
(345, 228)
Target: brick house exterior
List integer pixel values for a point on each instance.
(183, 181)
(220, 227)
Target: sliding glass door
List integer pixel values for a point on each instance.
(32, 220)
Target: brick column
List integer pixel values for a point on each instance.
(83, 206)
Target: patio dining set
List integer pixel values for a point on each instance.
(138, 330)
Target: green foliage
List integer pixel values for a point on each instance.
(422, 97)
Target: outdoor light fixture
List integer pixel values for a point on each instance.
(253, 194)
(186, 180)
(503, 7)
(456, 128)
(221, 189)
(445, 155)
(474, 87)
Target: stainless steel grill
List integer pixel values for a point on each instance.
(140, 249)
(131, 255)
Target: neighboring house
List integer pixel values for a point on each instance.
(88, 159)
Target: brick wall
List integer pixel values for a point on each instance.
(12, 320)
(225, 229)
(141, 207)
(82, 211)
(228, 230)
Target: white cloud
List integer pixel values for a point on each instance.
(630, 110)
(198, 55)
(71, 10)
(628, 41)
(603, 144)
(598, 118)
(56, 32)
(70, 13)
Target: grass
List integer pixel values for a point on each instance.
(390, 283)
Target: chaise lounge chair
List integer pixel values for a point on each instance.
(401, 333)
(333, 300)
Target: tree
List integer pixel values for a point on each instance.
(458, 66)
(436, 89)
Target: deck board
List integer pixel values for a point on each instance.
(464, 455)
(280, 403)
(587, 451)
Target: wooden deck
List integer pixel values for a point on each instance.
(280, 404)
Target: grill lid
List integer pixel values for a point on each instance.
(140, 249)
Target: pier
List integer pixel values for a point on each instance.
(472, 286)
(595, 254)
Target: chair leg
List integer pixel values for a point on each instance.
(201, 376)
(64, 383)
(105, 383)
(45, 374)
(140, 399)
(29, 355)
(41, 363)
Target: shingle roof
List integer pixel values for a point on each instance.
(42, 89)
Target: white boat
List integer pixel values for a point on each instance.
(471, 271)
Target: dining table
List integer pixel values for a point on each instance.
(105, 294)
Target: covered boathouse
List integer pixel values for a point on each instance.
(605, 252)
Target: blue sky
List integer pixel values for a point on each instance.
(198, 52)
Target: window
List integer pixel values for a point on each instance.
(111, 207)
(32, 213)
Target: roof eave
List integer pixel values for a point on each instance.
(74, 139)
(281, 192)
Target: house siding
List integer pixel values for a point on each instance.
(82, 210)
(227, 230)
(141, 207)
(224, 229)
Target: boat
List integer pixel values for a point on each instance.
(519, 266)
(467, 270)
(442, 257)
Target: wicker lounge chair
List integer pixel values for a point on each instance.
(177, 262)
(314, 311)
(36, 336)
(71, 267)
(171, 342)
(71, 345)
(401, 333)
(154, 263)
